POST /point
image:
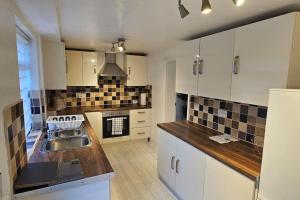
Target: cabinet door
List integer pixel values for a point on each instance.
(216, 54)
(90, 68)
(95, 119)
(166, 158)
(264, 52)
(137, 70)
(74, 68)
(190, 171)
(222, 182)
(54, 65)
(186, 69)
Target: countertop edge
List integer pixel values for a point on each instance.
(253, 175)
(66, 185)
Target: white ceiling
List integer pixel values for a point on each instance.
(148, 25)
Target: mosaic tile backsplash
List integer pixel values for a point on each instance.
(243, 121)
(111, 91)
(15, 136)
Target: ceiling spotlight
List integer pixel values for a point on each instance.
(206, 7)
(238, 2)
(182, 10)
(113, 49)
(121, 47)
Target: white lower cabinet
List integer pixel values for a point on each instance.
(95, 119)
(140, 121)
(191, 174)
(222, 182)
(166, 158)
(181, 167)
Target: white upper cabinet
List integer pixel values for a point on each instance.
(216, 60)
(82, 68)
(265, 58)
(74, 68)
(137, 70)
(90, 69)
(186, 67)
(54, 65)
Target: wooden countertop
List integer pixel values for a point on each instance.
(83, 109)
(241, 156)
(92, 158)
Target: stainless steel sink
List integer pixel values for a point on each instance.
(65, 143)
(66, 139)
(68, 133)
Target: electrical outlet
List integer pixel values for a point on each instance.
(222, 113)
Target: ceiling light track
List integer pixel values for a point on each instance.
(120, 43)
(205, 9)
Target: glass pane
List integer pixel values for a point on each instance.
(23, 49)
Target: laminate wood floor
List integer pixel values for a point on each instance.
(135, 165)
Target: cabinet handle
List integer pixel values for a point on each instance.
(177, 163)
(172, 162)
(129, 71)
(67, 68)
(141, 112)
(195, 68)
(95, 70)
(140, 133)
(236, 64)
(200, 69)
(143, 121)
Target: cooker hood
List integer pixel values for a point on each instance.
(110, 67)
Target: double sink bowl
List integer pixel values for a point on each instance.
(59, 140)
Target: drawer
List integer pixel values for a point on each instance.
(140, 118)
(139, 133)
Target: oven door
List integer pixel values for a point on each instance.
(116, 126)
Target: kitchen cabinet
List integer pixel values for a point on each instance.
(186, 67)
(82, 68)
(166, 158)
(242, 64)
(54, 65)
(266, 56)
(222, 182)
(140, 122)
(95, 119)
(89, 69)
(137, 70)
(215, 64)
(74, 68)
(192, 174)
(181, 166)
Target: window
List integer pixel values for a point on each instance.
(23, 48)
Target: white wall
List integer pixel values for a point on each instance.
(157, 78)
(156, 73)
(9, 82)
(9, 76)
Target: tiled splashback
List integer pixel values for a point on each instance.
(15, 136)
(243, 121)
(37, 101)
(111, 91)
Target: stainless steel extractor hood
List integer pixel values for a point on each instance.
(110, 67)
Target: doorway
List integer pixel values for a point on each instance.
(170, 92)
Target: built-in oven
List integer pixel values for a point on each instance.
(115, 123)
